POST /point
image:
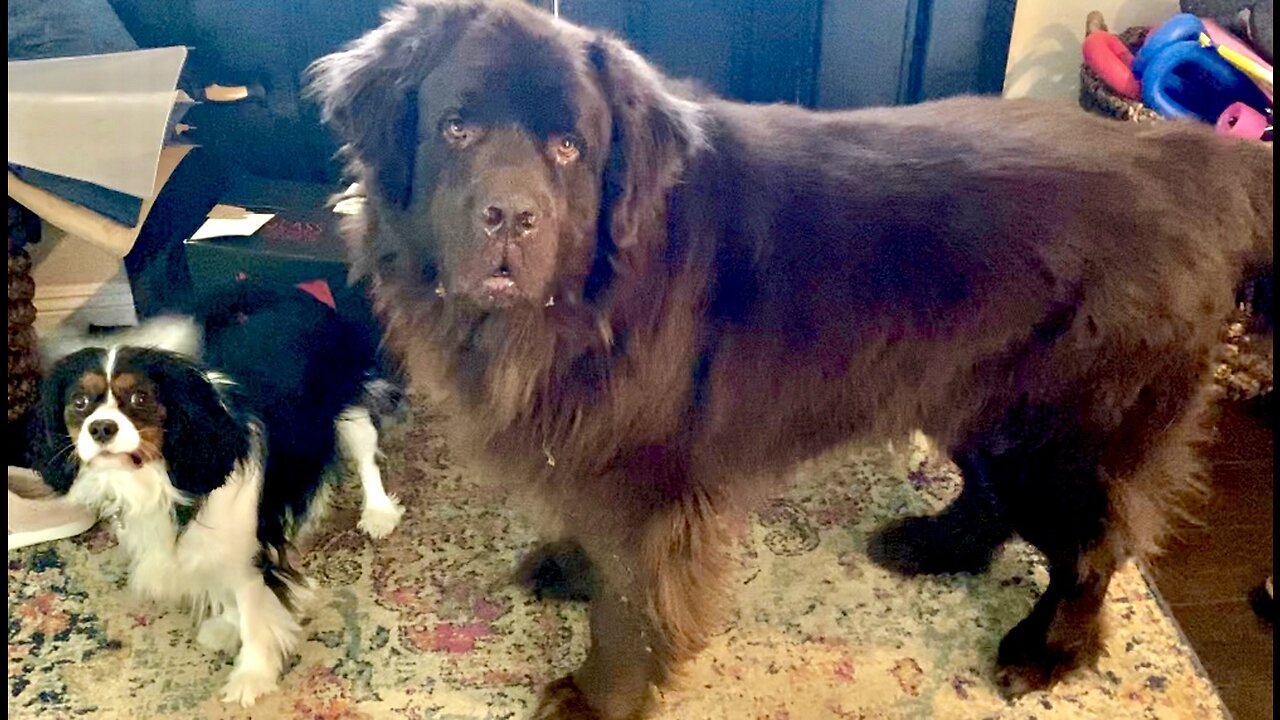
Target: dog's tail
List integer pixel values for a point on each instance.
(175, 333)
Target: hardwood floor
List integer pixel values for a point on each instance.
(1207, 575)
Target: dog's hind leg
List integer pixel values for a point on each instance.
(1064, 629)
(1056, 500)
(358, 442)
(1060, 507)
(1089, 506)
(962, 538)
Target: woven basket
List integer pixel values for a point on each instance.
(1246, 369)
(1097, 97)
(24, 362)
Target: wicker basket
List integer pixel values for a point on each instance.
(24, 362)
(1246, 369)
(1097, 97)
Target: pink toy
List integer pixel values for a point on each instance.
(1240, 120)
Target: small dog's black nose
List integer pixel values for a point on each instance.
(103, 430)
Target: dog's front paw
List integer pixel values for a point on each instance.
(244, 687)
(377, 520)
(1028, 661)
(562, 700)
(151, 581)
(219, 635)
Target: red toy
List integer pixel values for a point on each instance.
(1108, 56)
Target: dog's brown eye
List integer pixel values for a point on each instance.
(80, 402)
(455, 131)
(567, 150)
(139, 398)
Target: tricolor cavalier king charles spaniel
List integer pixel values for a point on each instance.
(208, 444)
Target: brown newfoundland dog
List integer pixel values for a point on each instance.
(647, 305)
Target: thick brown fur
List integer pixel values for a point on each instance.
(738, 288)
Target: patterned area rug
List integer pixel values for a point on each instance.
(425, 624)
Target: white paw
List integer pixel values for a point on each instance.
(245, 687)
(218, 634)
(378, 520)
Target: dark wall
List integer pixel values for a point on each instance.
(821, 53)
(824, 53)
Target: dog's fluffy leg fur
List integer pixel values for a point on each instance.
(656, 603)
(358, 439)
(221, 632)
(268, 633)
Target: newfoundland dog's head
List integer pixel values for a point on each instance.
(508, 158)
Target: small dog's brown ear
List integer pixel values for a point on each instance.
(654, 133)
(368, 91)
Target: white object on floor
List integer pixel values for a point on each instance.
(35, 520)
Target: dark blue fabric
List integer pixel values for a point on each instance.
(64, 28)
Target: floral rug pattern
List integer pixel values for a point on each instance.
(425, 625)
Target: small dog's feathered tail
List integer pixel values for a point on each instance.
(179, 334)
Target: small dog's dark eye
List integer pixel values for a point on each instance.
(139, 398)
(567, 150)
(80, 402)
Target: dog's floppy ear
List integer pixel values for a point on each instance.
(654, 133)
(368, 91)
(54, 448)
(203, 437)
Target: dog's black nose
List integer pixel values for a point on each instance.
(103, 430)
(517, 214)
(526, 221)
(493, 218)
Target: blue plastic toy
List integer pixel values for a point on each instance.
(1179, 28)
(1182, 80)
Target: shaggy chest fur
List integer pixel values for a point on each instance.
(200, 560)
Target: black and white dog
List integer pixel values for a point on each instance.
(208, 442)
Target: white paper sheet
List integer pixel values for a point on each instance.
(231, 221)
(97, 118)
